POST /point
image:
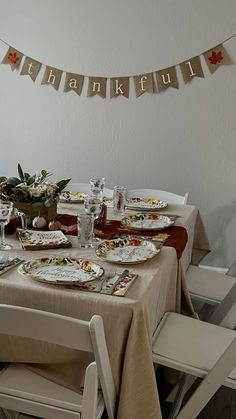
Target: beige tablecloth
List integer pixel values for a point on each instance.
(129, 321)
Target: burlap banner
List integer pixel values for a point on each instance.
(191, 68)
(97, 86)
(74, 82)
(52, 76)
(30, 68)
(13, 58)
(120, 86)
(167, 78)
(143, 83)
(216, 57)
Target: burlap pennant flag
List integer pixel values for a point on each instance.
(167, 78)
(119, 86)
(216, 57)
(97, 86)
(143, 83)
(191, 68)
(30, 68)
(52, 76)
(13, 58)
(74, 82)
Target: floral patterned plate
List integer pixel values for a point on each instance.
(61, 271)
(126, 251)
(69, 196)
(147, 221)
(145, 204)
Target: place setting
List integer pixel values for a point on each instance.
(77, 274)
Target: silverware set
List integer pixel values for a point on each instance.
(109, 282)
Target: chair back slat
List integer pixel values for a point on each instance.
(47, 327)
(103, 364)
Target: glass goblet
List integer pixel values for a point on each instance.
(97, 186)
(93, 206)
(6, 209)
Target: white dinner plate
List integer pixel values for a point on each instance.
(147, 221)
(61, 271)
(69, 196)
(145, 204)
(126, 251)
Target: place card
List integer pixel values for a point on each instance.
(41, 240)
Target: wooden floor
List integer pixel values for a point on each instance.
(221, 406)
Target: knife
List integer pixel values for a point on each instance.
(109, 290)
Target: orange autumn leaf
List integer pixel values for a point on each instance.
(13, 57)
(216, 57)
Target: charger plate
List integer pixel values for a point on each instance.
(126, 251)
(69, 196)
(145, 204)
(147, 221)
(61, 271)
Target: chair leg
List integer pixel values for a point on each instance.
(185, 383)
(206, 312)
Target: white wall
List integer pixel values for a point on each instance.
(180, 140)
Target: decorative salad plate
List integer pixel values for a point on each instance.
(126, 251)
(150, 221)
(69, 196)
(145, 204)
(61, 271)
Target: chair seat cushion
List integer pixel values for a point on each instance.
(17, 380)
(189, 342)
(207, 284)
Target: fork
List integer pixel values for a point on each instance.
(104, 279)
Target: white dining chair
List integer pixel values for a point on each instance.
(24, 391)
(85, 187)
(210, 288)
(168, 197)
(199, 349)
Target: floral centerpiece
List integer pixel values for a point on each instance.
(32, 194)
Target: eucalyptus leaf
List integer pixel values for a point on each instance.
(20, 172)
(62, 184)
(13, 181)
(4, 197)
(3, 179)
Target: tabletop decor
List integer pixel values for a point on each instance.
(145, 204)
(126, 251)
(147, 221)
(34, 195)
(41, 240)
(61, 271)
(119, 85)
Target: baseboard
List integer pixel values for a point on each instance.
(214, 268)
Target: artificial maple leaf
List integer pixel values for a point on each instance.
(216, 57)
(13, 57)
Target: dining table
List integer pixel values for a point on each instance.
(129, 321)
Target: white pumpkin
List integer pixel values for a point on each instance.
(39, 222)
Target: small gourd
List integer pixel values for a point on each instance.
(54, 225)
(39, 222)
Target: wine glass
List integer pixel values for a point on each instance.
(6, 209)
(97, 186)
(93, 207)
